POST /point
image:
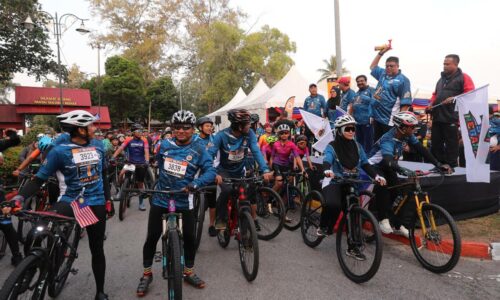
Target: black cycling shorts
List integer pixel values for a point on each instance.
(279, 170)
(140, 172)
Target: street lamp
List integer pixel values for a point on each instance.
(57, 22)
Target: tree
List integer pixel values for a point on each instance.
(163, 97)
(330, 68)
(122, 89)
(22, 49)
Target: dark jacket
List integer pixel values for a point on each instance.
(13, 140)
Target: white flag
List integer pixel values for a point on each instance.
(474, 124)
(315, 123)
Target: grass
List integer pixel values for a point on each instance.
(484, 229)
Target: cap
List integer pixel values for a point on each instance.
(312, 85)
(344, 80)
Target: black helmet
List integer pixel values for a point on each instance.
(203, 120)
(254, 118)
(301, 138)
(183, 117)
(136, 126)
(237, 115)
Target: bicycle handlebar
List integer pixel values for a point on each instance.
(170, 192)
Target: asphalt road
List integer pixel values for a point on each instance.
(288, 270)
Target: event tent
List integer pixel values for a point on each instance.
(240, 95)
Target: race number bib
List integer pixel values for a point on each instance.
(175, 168)
(85, 156)
(236, 155)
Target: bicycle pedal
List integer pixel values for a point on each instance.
(74, 271)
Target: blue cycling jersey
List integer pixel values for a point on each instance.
(76, 166)
(178, 166)
(389, 145)
(136, 149)
(315, 104)
(233, 151)
(207, 142)
(362, 106)
(394, 92)
(336, 166)
(347, 98)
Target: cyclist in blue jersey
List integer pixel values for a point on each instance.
(393, 93)
(180, 159)
(233, 145)
(137, 148)
(361, 110)
(385, 155)
(348, 94)
(205, 126)
(79, 163)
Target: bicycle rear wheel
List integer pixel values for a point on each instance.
(63, 259)
(295, 200)
(199, 208)
(248, 246)
(310, 217)
(27, 281)
(270, 213)
(359, 259)
(123, 199)
(438, 250)
(174, 265)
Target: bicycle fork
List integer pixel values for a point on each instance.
(419, 205)
(171, 221)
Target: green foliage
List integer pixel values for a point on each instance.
(23, 50)
(330, 68)
(37, 128)
(163, 97)
(11, 162)
(123, 89)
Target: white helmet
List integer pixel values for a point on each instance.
(283, 127)
(78, 118)
(183, 117)
(405, 118)
(344, 120)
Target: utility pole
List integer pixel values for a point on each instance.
(338, 48)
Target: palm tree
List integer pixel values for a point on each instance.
(330, 68)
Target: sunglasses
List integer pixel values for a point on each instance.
(350, 129)
(284, 132)
(183, 127)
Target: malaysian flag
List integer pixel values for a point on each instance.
(83, 213)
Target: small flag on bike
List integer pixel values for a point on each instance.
(83, 213)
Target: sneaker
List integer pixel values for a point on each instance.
(402, 231)
(212, 231)
(257, 225)
(142, 206)
(288, 220)
(101, 296)
(194, 280)
(220, 225)
(356, 254)
(144, 283)
(322, 232)
(385, 226)
(16, 259)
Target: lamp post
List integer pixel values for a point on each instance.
(57, 22)
(98, 46)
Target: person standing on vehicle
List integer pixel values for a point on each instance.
(138, 154)
(444, 132)
(361, 110)
(347, 93)
(180, 159)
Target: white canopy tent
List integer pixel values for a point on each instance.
(240, 95)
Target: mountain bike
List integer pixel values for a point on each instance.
(358, 237)
(50, 254)
(270, 213)
(200, 207)
(241, 225)
(123, 195)
(293, 200)
(434, 236)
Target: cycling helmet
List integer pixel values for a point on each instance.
(283, 127)
(183, 117)
(344, 120)
(237, 115)
(301, 138)
(76, 118)
(120, 135)
(271, 139)
(136, 126)
(203, 120)
(44, 142)
(168, 130)
(405, 118)
(254, 118)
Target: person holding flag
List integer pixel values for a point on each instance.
(85, 195)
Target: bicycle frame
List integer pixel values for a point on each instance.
(418, 204)
(233, 209)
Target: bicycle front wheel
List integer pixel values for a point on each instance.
(310, 218)
(438, 249)
(174, 265)
(199, 209)
(23, 226)
(295, 200)
(358, 258)
(270, 213)
(123, 199)
(27, 281)
(248, 246)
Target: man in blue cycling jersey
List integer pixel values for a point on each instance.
(180, 159)
(361, 110)
(347, 93)
(393, 93)
(233, 144)
(385, 155)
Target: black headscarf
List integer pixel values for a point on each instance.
(346, 151)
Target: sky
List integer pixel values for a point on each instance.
(422, 33)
